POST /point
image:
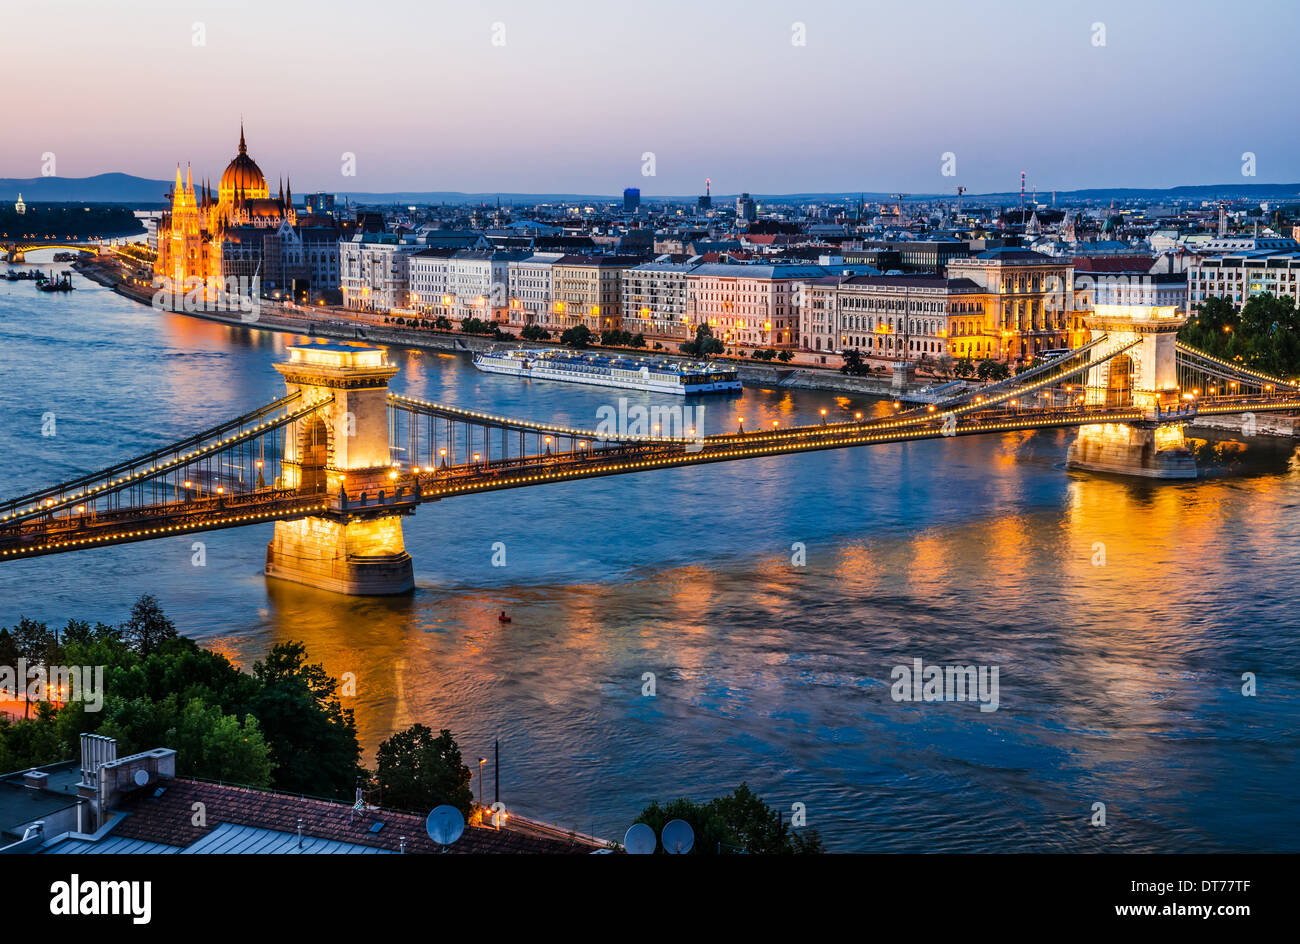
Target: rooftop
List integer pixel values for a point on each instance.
(167, 820)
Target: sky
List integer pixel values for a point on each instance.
(572, 95)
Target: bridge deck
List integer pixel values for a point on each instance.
(64, 529)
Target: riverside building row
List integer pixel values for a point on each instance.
(1006, 303)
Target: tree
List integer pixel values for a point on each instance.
(704, 345)
(442, 323)
(313, 737)
(217, 746)
(737, 822)
(534, 332)
(964, 368)
(992, 370)
(853, 363)
(579, 336)
(148, 628)
(418, 771)
(786, 356)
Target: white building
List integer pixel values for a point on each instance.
(1241, 275)
(530, 284)
(654, 299)
(374, 271)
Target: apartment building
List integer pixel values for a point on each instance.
(748, 305)
(654, 300)
(530, 281)
(374, 270)
(588, 290)
(896, 317)
(1239, 276)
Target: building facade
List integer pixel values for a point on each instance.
(1030, 307)
(588, 290)
(374, 271)
(747, 305)
(1239, 276)
(654, 300)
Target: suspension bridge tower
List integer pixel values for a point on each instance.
(342, 452)
(1135, 368)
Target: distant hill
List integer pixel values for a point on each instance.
(1195, 192)
(141, 192)
(102, 188)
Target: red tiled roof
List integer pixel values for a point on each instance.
(1113, 263)
(168, 820)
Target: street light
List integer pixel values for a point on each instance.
(481, 762)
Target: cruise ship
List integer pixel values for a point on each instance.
(658, 375)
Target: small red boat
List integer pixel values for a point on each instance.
(503, 618)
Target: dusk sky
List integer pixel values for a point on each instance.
(579, 90)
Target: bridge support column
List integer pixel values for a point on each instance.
(362, 558)
(1135, 368)
(356, 546)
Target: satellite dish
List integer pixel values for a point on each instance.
(678, 837)
(640, 840)
(444, 825)
(141, 777)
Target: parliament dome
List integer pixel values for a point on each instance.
(242, 176)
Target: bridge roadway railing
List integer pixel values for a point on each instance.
(1207, 363)
(52, 534)
(437, 484)
(214, 455)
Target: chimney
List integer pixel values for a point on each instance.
(96, 750)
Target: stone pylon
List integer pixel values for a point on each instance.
(356, 545)
(1144, 378)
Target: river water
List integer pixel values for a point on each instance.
(1120, 615)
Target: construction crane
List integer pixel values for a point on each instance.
(960, 191)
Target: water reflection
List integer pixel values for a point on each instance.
(1120, 680)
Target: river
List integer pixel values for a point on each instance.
(1120, 615)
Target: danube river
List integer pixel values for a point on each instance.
(1120, 615)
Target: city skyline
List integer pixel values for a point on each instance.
(734, 99)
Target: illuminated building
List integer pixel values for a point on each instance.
(196, 234)
(1030, 301)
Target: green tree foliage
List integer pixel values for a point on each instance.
(216, 746)
(534, 332)
(418, 771)
(1264, 335)
(313, 737)
(281, 726)
(579, 336)
(854, 365)
(477, 326)
(148, 628)
(992, 370)
(704, 345)
(737, 822)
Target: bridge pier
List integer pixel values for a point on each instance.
(1155, 452)
(1135, 368)
(354, 547)
(361, 558)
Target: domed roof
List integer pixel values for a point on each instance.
(243, 175)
